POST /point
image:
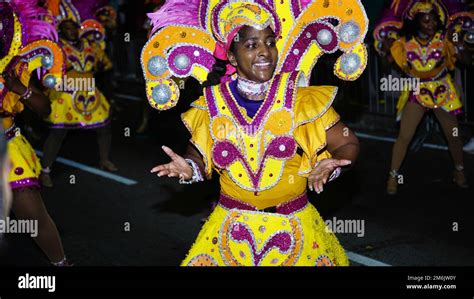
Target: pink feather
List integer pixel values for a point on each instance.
(176, 12)
(32, 18)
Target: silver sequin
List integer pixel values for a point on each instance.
(181, 61)
(157, 65)
(349, 32)
(324, 37)
(161, 94)
(350, 63)
(47, 62)
(49, 81)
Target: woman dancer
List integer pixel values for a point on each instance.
(426, 50)
(268, 138)
(22, 34)
(78, 103)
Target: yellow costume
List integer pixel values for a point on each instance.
(24, 56)
(274, 176)
(430, 63)
(78, 103)
(263, 217)
(26, 166)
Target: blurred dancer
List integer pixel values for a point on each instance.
(78, 103)
(22, 18)
(425, 49)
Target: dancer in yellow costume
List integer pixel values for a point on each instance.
(268, 135)
(26, 44)
(77, 103)
(426, 50)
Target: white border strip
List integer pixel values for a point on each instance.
(390, 139)
(366, 261)
(93, 170)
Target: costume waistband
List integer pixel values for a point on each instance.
(10, 132)
(285, 208)
(437, 77)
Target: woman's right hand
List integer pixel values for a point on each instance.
(178, 167)
(13, 84)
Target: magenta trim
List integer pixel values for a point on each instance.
(25, 183)
(295, 6)
(211, 102)
(286, 208)
(241, 233)
(302, 43)
(290, 92)
(258, 118)
(79, 126)
(203, 5)
(205, 59)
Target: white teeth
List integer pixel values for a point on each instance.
(262, 64)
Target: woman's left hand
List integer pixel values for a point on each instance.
(321, 172)
(13, 84)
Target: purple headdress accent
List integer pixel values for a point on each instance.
(176, 12)
(394, 14)
(33, 20)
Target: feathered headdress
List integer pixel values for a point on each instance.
(452, 13)
(188, 35)
(27, 36)
(81, 12)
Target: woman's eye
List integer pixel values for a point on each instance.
(251, 46)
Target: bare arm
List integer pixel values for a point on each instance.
(342, 143)
(37, 102)
(344, 148)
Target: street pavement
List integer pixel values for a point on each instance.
(153, 222)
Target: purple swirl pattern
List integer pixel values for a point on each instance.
(302, 43)
(195, 54)
(282, 240)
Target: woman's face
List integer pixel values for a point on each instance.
(254, 54)
(428, 24)
(69, 31)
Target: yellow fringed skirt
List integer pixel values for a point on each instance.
(250, 238)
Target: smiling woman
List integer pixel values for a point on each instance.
(268, 136)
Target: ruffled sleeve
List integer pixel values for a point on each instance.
(399, 53)
(197, 121)
(314, 116)
(450, 55)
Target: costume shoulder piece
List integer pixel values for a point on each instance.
(188, 34)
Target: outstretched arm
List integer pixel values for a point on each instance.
(179, 167)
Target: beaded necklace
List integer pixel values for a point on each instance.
(250, 89)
